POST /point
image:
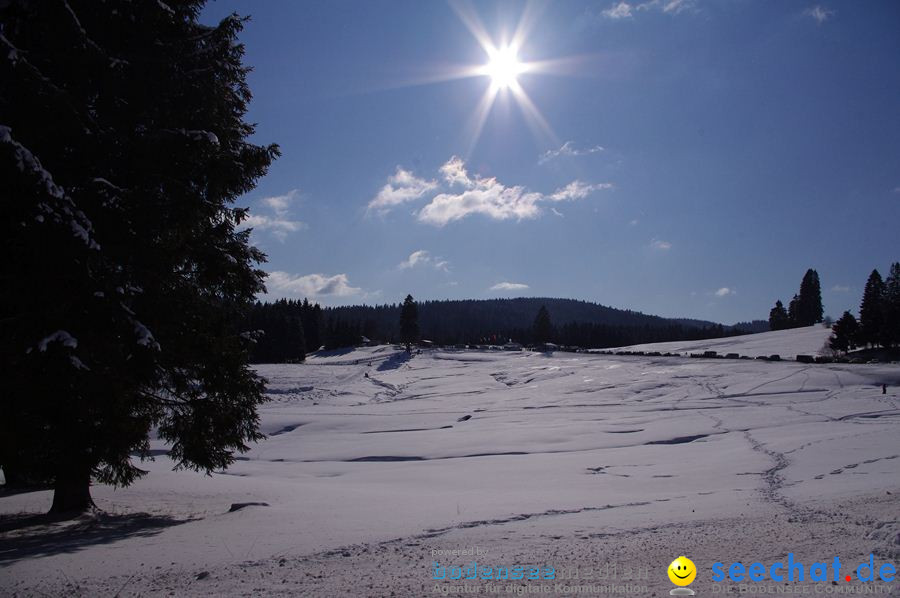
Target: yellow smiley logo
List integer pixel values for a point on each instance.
(682, 571)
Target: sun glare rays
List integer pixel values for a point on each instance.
(502, 68)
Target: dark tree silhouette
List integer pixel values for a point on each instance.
(778, 317)
(809, 307)
(122, 148)
(871, 311)
(543, 327)
(409, 323)
(891, 331)
(843, 333)
(794, 311)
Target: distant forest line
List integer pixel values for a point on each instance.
(289, 329)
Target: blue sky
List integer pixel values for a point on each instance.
(681, 158)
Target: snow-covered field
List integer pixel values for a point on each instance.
(374, 459)
(785, 343)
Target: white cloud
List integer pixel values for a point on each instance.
(625, 10)
(819, 14)
(567, 149)
(576, 190)
(422, 257)
(280, 203)
(414, 258)
(634, 222)
(897, 189)
(621, 10)
(661, 245)
(478, 195)
(725, 291)
(454, 172)
(840, 288)
(403, 186)
(491, 198)
(309, 285)
(675, 6)
(508, 286)
(279, 227)
(278, 221)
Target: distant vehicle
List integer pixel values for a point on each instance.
(512, 347)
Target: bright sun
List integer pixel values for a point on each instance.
(504, 67)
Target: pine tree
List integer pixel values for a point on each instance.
(543, 327)
(409, 323)
(794, 311)
(871, 311)
(122, 148)
(809, 305)
(891, 328)
(778, 317)
(843, 333)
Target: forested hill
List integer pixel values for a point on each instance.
(483, 317)
(448, 322)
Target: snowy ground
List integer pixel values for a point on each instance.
(785, 343)
(563, 460)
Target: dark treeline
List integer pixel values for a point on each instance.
(494, 321)
(804, 309)
(879, 316)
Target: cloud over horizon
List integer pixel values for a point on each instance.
(309, 285)
(403, 186)
(423, 257)
(473, 195)
(509, 286)
(278, 220)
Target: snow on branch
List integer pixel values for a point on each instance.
(195, 134)
(60, 336)
(65, 211)
(144, 336)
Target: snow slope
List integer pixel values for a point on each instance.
(374, 458)
(786, 343)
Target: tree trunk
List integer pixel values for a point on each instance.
(72, 493)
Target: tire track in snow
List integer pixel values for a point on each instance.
(774, 482)
(791, 375)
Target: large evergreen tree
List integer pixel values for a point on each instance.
(809, 304)
(794, 311)
(843, 333)
(409, 322)
(871, 311)
(778, 317)
(891, 329)
(543, 327)
(122, 147)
